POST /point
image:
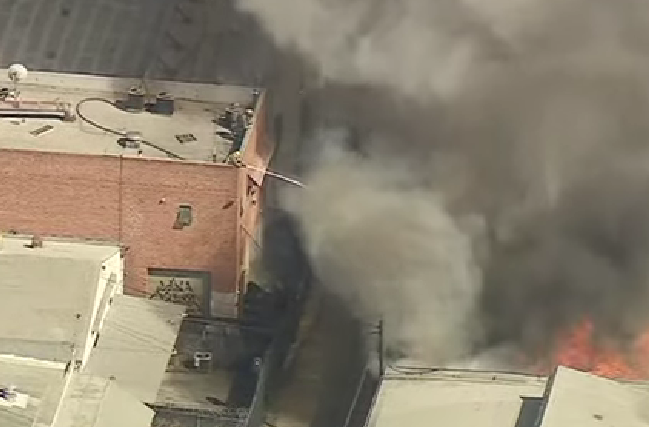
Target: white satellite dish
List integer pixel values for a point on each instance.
(17, 72)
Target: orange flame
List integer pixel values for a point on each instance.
(579, 350)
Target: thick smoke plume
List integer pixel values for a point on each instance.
(384, 245)
(501, 192)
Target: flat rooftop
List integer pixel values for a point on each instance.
(41, 385)
(197, 109)
(43, 290)
(135, 344)
(187, 387)
(580, 399)
(415, 395)
(58, 248)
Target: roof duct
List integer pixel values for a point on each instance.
(19, 108)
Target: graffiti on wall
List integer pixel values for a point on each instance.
(179, 291)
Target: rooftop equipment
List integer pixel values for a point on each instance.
(20, 108)
(164, 104)
(135, 101)
(13, 106)
(131, 139)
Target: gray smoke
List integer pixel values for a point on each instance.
(416, 47)
(528, 117)
(387, 245)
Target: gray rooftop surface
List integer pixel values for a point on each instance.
(191, 389)
(459, 398)
(41, 381)
(99, 402)
(583, 400)
(43, 290)
(135, 344)
(453, 398)
(197, 105)
(129, 37)
(59, 248)
(187, 387)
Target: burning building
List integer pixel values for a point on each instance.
(531, 117)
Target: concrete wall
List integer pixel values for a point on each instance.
(110, 280)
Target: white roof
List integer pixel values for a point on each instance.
(135, 344)
(47, 295)
(453, 399)
(99, 402)
(580, 399)
(490, 399)
(39, 383)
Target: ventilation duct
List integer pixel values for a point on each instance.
(19, 108)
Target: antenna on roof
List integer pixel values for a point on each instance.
(35, 243)
(17, 73)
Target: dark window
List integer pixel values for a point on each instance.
(184, 216)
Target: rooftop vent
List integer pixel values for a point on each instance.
(132, 139)
(36, 242)
(21, 108)
(164, 104)
(135, 101)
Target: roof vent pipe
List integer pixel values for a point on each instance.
(35, 243)
(135, 101)
(164, 104)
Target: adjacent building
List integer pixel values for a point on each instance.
(75, 351)
(418, 396)
(105, 159)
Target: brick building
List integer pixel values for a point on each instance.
(186, 222)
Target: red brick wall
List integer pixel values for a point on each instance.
(121, 199)
(208, 244)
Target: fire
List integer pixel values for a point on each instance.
(579, 350)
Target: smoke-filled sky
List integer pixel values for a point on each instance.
(519, 126)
